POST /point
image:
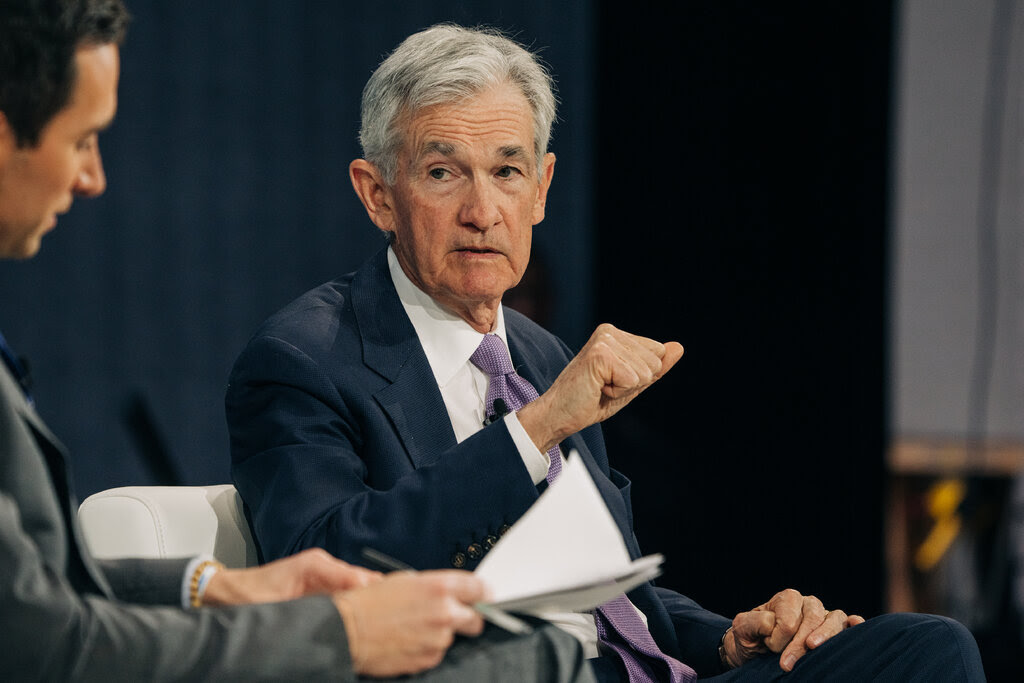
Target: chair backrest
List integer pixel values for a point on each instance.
(168, 521)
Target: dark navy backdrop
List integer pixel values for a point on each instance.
(228, 196)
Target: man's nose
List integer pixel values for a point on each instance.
(91, 181)
(480, 208)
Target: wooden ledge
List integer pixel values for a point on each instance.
(947, 456)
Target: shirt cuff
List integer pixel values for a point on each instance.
(536, 462)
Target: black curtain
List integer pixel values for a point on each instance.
(742, 185)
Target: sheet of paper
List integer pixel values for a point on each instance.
(588, 596)
(565, 552)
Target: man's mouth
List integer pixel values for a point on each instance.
(478, 250)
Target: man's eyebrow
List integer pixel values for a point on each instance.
(447, 149)
(514, 152)
(98, 128)
(436, 146)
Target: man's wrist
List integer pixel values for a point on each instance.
(348, 618)
(231, 587)
(199, 581)
(536, 420)
(723, 651)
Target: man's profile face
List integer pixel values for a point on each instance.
(38, 183)
(467, 196)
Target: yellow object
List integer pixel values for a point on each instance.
(943, 501)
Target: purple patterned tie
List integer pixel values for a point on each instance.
(492, 357)
(643, 659)
(619, 627)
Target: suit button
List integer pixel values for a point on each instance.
(489, 542)
(459, 560)
(475, 551)
(504, 529)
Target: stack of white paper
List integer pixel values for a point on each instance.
(565, 553)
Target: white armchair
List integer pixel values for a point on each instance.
(168, 521)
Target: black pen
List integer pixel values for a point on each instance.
(490, 613)
(385, 562)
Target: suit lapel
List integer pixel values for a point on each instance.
(391, 348)
(30, 416)
(529, 359)
(54, 456)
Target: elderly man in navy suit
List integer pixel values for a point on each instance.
(401, 407)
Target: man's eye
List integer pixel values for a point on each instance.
(507, 171)
(85, 144)
(438, 173)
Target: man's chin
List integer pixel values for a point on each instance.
(21, 251)
(486, 289)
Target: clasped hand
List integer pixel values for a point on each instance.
(789, 623)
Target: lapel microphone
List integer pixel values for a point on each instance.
(500, 411)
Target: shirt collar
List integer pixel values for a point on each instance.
(447, 340)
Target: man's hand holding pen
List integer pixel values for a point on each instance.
(494, 615)
(408, 620)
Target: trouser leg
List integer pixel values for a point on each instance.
(901, 648)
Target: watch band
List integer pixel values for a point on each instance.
(722, 656)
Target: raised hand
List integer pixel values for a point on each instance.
(612, 369)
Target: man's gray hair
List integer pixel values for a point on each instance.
(443, 65)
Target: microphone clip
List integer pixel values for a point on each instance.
(500, 410)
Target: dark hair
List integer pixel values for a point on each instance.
(38, 39)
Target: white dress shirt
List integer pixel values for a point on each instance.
(448, 341)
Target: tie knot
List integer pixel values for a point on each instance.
(492, 357)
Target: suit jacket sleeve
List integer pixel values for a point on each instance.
(53, 632)
(146, 581)
(320, 463)
(698, 631)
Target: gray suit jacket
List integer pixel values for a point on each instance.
(64, 616)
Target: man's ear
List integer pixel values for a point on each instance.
(8, 140)
(547, 171)
(373, 192)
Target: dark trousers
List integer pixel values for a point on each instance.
(893, 647)
(548, 655)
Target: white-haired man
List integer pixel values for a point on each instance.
(402, 407)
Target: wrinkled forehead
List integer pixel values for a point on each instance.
(498, 120)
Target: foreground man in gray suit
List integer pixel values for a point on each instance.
(66, 616)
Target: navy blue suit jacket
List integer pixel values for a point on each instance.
(340, 439)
